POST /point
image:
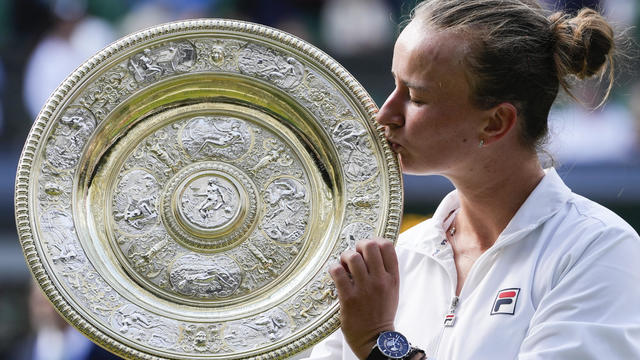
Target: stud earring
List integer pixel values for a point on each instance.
(481, 143)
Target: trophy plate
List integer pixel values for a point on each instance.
(182, 194)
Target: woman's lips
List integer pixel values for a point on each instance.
(394, 146)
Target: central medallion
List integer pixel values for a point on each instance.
(209, 205)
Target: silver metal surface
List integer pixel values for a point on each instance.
(182, 194)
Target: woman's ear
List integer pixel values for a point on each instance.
(500, 120)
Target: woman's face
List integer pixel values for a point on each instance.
(429, 119)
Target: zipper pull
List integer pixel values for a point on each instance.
(450, 318)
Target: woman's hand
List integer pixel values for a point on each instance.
(367, 281)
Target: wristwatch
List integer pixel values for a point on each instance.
(391, 345)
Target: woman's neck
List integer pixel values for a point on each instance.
(492, 194)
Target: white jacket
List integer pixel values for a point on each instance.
(561, 282)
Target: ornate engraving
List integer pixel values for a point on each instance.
(217, 54)
(137, 325)
(313, 300)
(169, 58)
(323, 100)
(56, 227)
(277, 154)
(150, 257)
(207, 277)
(350, 139)
(284, 71)
(135, 201)
(365, 201)
(250, 333)
(350, 235)
(244, 162)
(287, 210)
(90, 288)
(110, 89)
(215, 136)
(73, 130)
(262, 261)
(209, 221)
(201, 339)
(54, 185)
(209, 201)
(356, 231)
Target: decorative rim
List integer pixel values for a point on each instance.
(25, 203)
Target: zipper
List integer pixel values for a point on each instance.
(449, 320)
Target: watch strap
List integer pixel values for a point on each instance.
(376, 354)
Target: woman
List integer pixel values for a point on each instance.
(512, 264)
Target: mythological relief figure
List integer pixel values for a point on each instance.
(214, 199)
(350, 136)
(217, 54)
(285, 72)
(58, 227)
(287, 210)
(74, 129)
(276, 153)
(161, 154)
(210, 202)
(138, 212)
(366, 201)
(250, 333)
(144, 260)
(205, 277)
(204, 339)
(135, 203)
(150, 64)
(205, 136)
(313, 300)
(137, 325)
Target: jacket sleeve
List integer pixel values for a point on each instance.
(589, 309)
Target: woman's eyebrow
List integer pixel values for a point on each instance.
(411, 85)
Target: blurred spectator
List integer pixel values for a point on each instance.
(571, 6)
(634, 103)
(74, 38)
(355, 27)
(52, 337)
(583, 136)
(2, 82)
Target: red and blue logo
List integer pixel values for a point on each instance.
(449, 319)
(505, 302)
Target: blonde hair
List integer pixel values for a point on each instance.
(520, 53)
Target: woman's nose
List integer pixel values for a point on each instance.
(390, 114)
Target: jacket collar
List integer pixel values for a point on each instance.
(543, 202)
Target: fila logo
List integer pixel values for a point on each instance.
(449, 319)
(505, 302)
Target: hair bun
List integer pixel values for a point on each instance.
(584, 43)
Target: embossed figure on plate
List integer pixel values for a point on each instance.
(73, 130)
(135, 202)
(284, 71)
(250, 333)
(136, 325)
(151, 64)
(209, 201)
(277, 153)
(208, 277)
(204, 338)
(287, 210)
(361, 164)
(58, 225)
(216, 136)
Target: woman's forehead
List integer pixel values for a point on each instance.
(422, 49)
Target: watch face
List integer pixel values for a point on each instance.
(393, 344)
